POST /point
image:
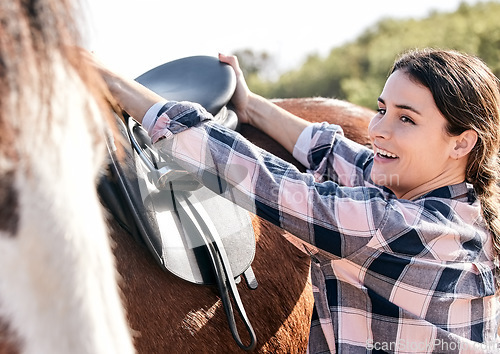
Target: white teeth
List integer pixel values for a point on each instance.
(386, 153)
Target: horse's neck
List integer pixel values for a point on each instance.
(58, 288)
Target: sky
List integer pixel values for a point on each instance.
(133, 36)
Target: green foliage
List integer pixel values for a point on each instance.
(357, 71)
(253, 63)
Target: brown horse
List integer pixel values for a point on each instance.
(169, 315)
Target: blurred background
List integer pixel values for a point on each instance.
(328, 48)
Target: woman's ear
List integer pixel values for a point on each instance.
(464, 143)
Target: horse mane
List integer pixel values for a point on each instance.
(58, 288)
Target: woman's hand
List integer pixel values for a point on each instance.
(242, 93)
(261, 113)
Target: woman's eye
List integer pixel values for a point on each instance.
(381, 111)
(405, 119)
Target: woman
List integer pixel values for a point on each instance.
(404, 239)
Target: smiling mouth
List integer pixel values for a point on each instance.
(385, 154)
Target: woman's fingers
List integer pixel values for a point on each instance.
(242, 92)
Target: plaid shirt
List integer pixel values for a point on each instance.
(389, 275)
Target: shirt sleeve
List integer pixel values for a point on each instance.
(328, 155)
(301, 148)
(151, 115)
(228, 164)
(164, 119)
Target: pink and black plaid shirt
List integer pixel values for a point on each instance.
(388, 275)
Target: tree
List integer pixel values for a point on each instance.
(255, 63)
(357, 70)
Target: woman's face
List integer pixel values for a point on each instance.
(413, 152)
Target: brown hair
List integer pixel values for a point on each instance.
(467, 93)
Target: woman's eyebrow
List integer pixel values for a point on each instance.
(401, 106)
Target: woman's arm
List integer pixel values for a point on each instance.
(131, 97)
(286, 128)
(135, 99)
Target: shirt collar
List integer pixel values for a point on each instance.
(462, 192)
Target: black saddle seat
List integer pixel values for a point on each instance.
(201, 79)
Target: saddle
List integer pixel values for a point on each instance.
(191, 232)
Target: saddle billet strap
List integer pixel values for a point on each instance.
(221, 266)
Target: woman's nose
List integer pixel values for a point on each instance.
(379, 127)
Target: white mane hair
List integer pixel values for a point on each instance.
(58, 282)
